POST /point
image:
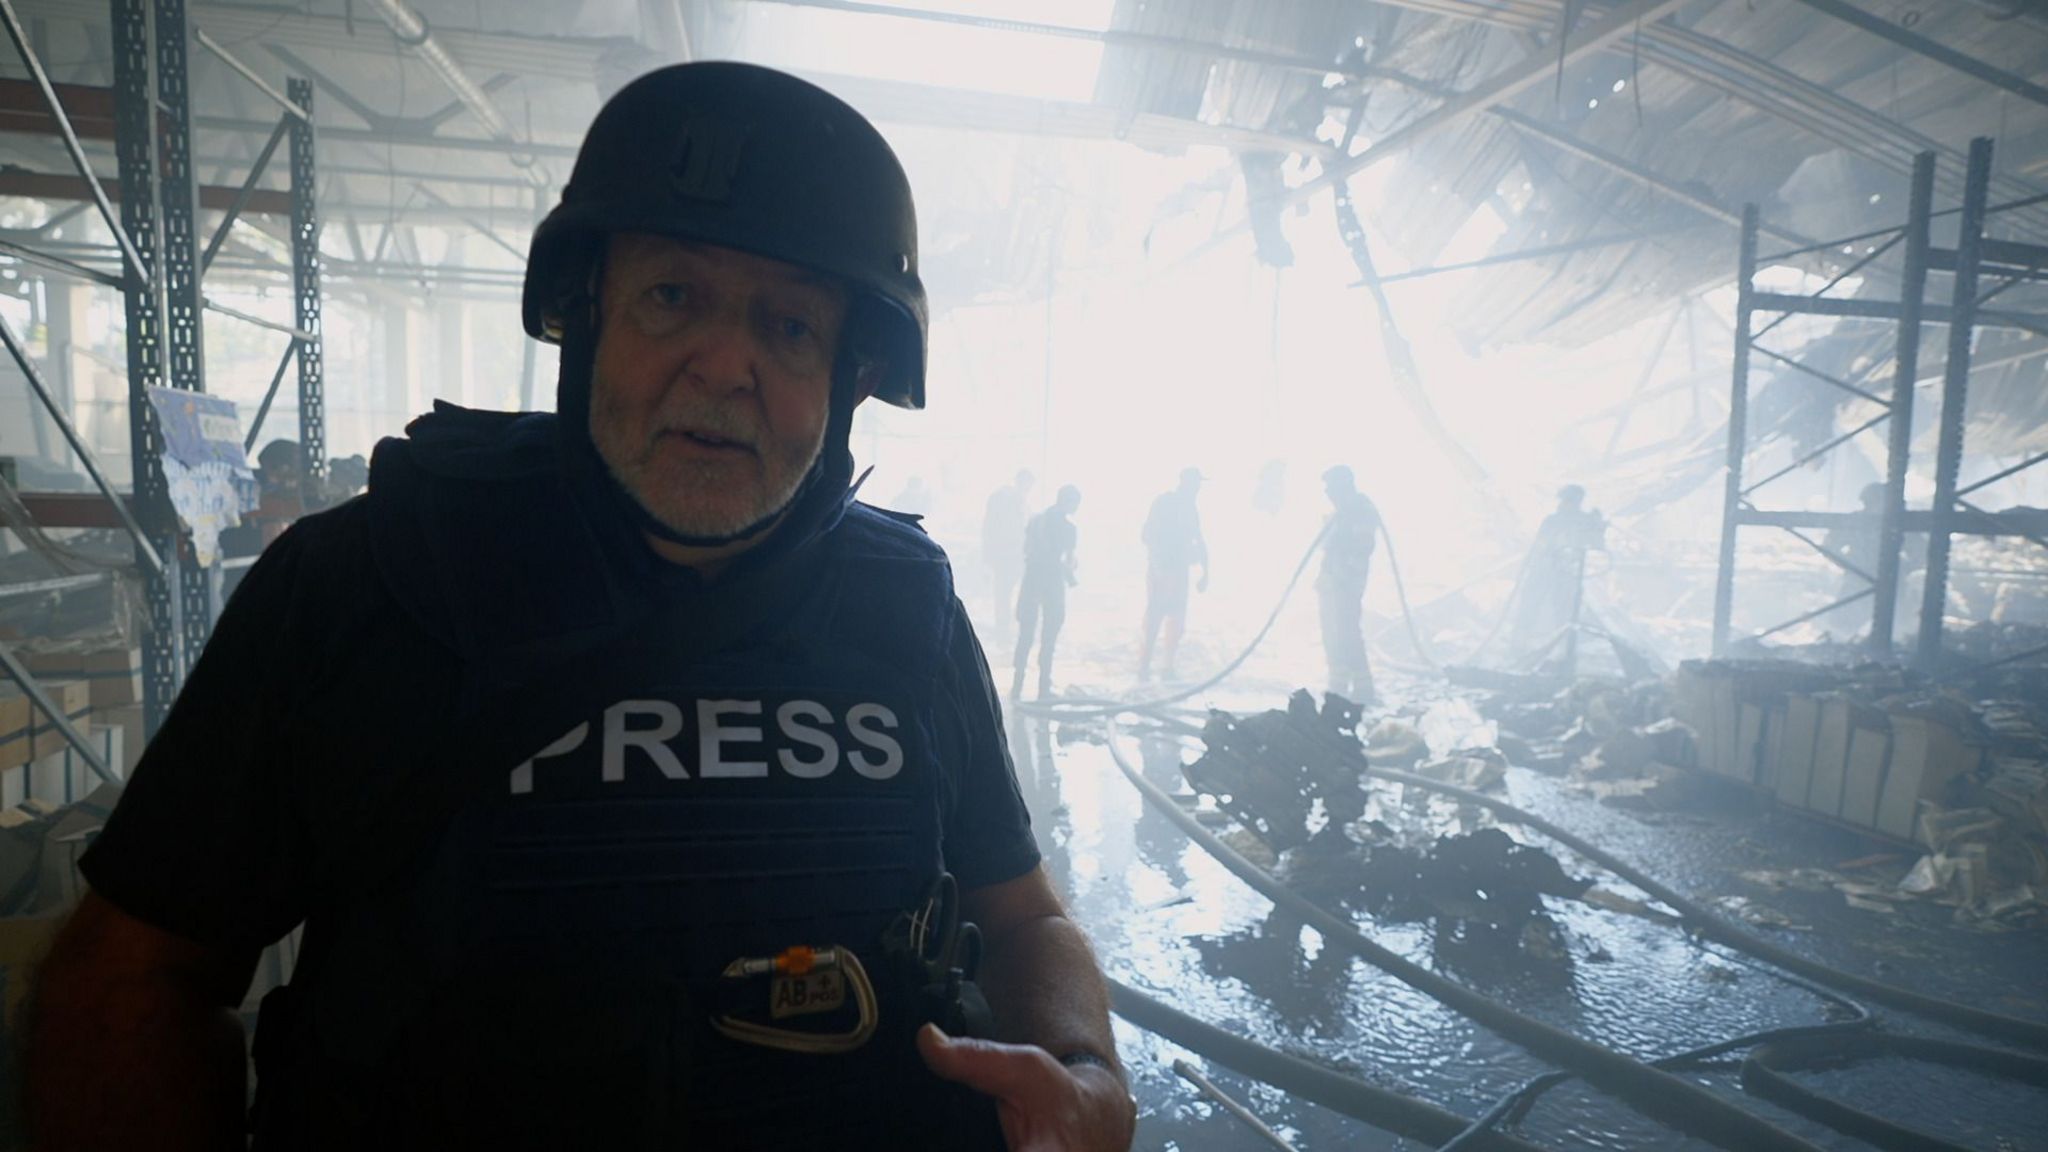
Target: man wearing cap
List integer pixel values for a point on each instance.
(1348, 542)
(634, 786)
(1173, 544)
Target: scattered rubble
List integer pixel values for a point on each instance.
(1286, 775)
(1966, 781)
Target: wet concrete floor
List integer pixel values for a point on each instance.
(1168, 919)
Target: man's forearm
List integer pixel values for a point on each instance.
(1045, 988)
(145, 1064)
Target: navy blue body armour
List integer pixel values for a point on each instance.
(642, 788)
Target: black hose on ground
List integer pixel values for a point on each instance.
(1387, 1111)
(1513, 1106)
(1681, 1104)
(1761, 1076)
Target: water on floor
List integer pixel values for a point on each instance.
(1169, 920)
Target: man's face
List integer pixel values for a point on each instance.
(713, 379)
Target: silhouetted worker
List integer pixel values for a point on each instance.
(1340, 584)
(1173, 544)
(1556, 569)
(280, 484)
(1002, 542)
(915, 499)
(1048, 570)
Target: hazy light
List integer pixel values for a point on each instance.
(942, 55)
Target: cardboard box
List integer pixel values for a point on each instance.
(128, 720)
(74, 699)
(1795, 749)
(1830, 757)
(64, 776)
(1749, 739)
(1926, 756)
(113, 674)
(14, 730)
(1692, 704)
(1771, 749)
(1869, 756)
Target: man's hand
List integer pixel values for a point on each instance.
(1044, 1106)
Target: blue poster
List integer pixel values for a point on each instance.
(199, 429)
(204, 466)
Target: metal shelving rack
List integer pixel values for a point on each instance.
(1974, 257)
(161, 276)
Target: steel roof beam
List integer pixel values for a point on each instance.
(1934, 50)
(1593, 36)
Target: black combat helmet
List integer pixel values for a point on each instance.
(748, 158)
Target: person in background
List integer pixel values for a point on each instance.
(1173, 544)
(1555, 575)
(280, 486)
(1348, 542)
(347, 476)
(1002, 545)
(914, 500)
(1049, 541)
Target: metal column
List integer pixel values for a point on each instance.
(306, 294)
(1891, 533)
(163, 667)
(1738, 434)
(184, 345)
(1955, 388)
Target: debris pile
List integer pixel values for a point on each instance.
(1295, 780)
(1286, 775)
(1966, 781)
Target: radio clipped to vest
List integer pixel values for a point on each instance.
(936, 954)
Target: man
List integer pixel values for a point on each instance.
(1554, 579)
(611, 759)
(1173, 544)
(1002, 542)
(1348, 542)
(280, 483)
(1049, 541)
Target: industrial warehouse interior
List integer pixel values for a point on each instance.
(1031, 574)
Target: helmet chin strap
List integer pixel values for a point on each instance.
(579, 347)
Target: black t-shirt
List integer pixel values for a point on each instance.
(283, 770)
